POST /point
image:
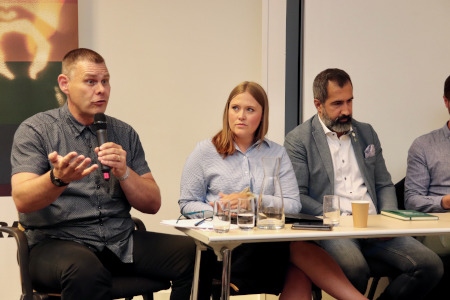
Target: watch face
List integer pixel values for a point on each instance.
(59, 182)
(56, 181)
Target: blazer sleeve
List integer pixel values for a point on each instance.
(298, 153)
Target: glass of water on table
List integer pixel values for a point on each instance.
(221, 216)
(246, 213)
(331, 210)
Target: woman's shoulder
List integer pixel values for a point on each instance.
(271, 144)
(205, 147)
(272, 148)
(205, 144)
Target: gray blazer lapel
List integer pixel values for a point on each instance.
(356, 143)
(322, 145)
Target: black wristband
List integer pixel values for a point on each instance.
(56, 181)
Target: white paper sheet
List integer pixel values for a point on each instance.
(190, 223)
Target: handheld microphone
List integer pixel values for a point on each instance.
(100, 130)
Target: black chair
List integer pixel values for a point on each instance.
(251, 288)
(122, 286)
(378, 270)
(400, 192)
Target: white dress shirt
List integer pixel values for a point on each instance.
(348, 182)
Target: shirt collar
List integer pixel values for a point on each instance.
(256, 144)
(264, 141)
(70, 119)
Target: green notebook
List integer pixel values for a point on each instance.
(409, 214)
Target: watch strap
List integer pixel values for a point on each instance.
(56, 181)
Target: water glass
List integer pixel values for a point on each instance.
(331, 210)
(221, 216)
(246, 213)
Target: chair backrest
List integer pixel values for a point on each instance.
(400, 192)
(22, 259)
(122, 286)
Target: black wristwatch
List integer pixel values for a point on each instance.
(56, 181)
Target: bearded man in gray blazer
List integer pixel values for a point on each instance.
(333, 154)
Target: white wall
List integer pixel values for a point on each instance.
(397, 54)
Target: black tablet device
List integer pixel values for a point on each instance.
(292, 218)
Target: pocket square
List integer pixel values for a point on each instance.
(370, 151)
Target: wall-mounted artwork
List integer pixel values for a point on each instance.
(34, 36)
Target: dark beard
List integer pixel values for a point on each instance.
(335, 125)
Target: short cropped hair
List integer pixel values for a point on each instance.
(74, 56)
(320, 85)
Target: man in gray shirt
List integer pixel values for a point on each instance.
(78, 221)
(427, 184)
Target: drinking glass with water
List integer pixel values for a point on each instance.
(246, 213)
(221, 216)
(331, 210)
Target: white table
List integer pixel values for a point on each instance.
(378, 226)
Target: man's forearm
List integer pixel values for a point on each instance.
(32, 192)
(142, 192)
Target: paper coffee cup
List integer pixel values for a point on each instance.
(360, 211)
